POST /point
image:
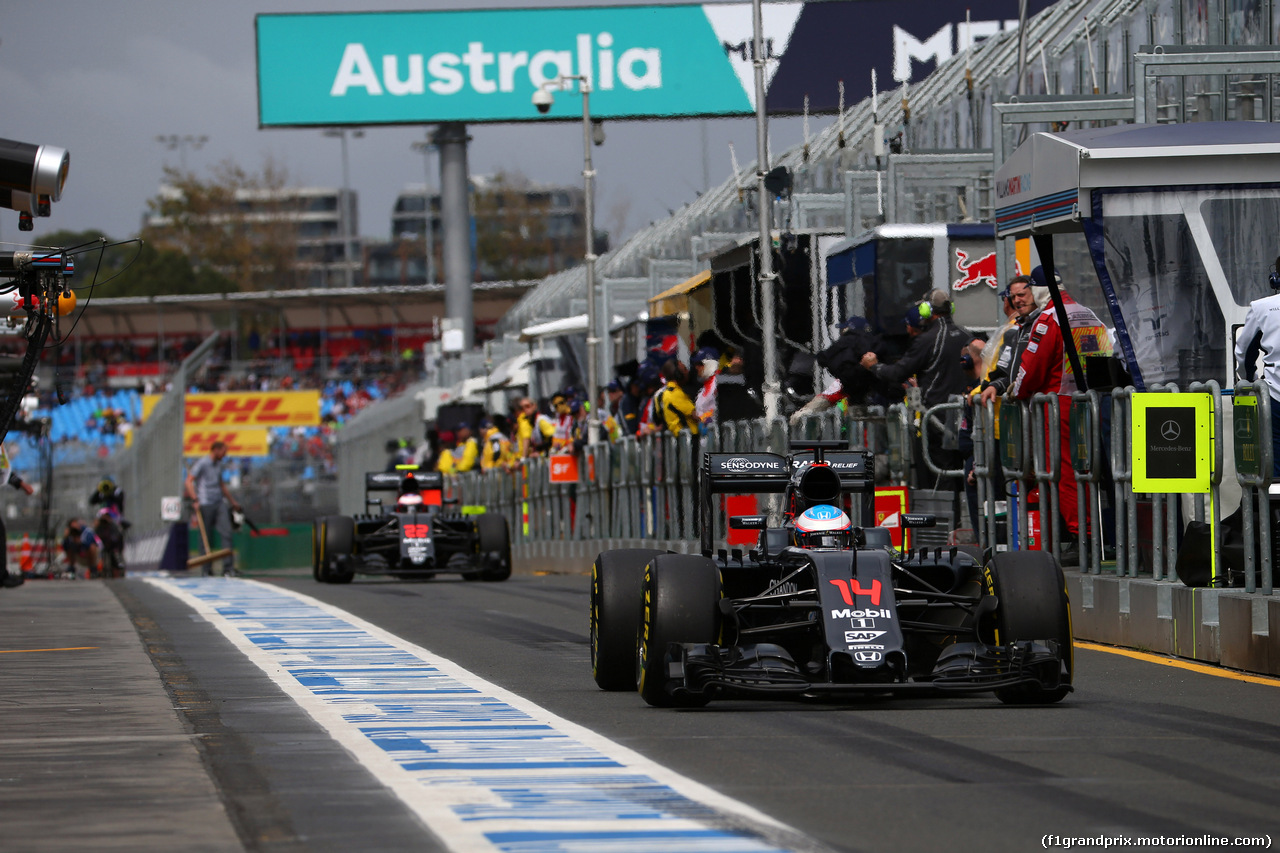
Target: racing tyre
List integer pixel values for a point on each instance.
(680, 604)
(1032, 595)
(494, 539)
(617, 589)
(319, 570)
(339, 535)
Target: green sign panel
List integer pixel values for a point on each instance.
(1011, 436)
(1247, 436)
(1081, 430)
(1172, 445)
(485, 65)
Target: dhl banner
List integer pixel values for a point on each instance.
(196, 441)
(240, 409)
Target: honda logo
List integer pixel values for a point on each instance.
(867, 657)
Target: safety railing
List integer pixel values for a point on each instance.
(1254, 458)
(647, 488)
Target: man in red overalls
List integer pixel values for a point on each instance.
(1046, 369)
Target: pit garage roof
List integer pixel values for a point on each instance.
(1046, 183)
(409, 305)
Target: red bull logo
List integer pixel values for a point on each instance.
(978, 271)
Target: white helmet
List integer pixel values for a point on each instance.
(823, 526)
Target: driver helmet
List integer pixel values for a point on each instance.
(823, 526)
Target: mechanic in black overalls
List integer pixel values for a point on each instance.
(933, 359)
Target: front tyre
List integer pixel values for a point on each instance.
(680, 604)
(1033, 605)
(617, 589)
(338, 535)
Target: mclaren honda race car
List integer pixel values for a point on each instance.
(419, 536)
(822, 607)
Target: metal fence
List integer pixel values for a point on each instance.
(646, 488)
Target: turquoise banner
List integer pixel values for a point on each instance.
(479, 66)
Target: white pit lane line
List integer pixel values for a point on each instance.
(484, 769)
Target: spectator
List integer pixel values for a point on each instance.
(611, 410)
(672, 404)
(496, 452)
(1026, 301)
(933, 360)
(213, 500)
(1044, 368)
(706, 363)
(533, 430)
(1261, 334)
(445, 461)
(562, 437)
(468, 450)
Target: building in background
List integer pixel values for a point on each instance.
(305, 223)
(520, 230)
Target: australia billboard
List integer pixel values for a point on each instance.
(655, 61)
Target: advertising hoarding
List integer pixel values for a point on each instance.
(668, 61)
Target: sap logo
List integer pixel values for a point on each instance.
(938, 48)
(858, 614)
(867, 657)
(486, 72)
(861, 636)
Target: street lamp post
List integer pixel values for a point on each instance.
(542, 99)
(348, 238)
(428, 221)
(173, 142)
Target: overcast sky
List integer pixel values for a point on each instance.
(104, 78)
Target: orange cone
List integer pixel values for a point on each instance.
(25, 562)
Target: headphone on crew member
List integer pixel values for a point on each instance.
(1274, 278)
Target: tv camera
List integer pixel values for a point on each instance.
(37, 280)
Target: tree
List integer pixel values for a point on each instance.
(238, 225)
(132, 268)
(512, 240)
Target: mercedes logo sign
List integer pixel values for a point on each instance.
(1170, 431)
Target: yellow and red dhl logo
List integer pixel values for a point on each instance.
(247, 409)
(239, 442)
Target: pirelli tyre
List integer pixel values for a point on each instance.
(494, 544)
(680, 604)
(338, 535)
(617, 583)
(319, 570)
(1032, 605)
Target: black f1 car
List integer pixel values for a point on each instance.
(417, 537)
(823, 608)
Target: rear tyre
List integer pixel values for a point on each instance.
(617, 589)
(1033, 605)
(494, 541)
(339, 542)
(319, 570)
(680, 604)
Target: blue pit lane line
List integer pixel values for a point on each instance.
(485, 769)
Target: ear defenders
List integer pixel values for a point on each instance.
(926, 310)
(1274, 278)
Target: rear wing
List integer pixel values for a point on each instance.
(389, 481)
(771, 473)
(855, 467)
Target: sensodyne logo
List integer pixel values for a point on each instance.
(739, 463)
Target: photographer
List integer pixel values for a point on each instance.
(10, 578)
